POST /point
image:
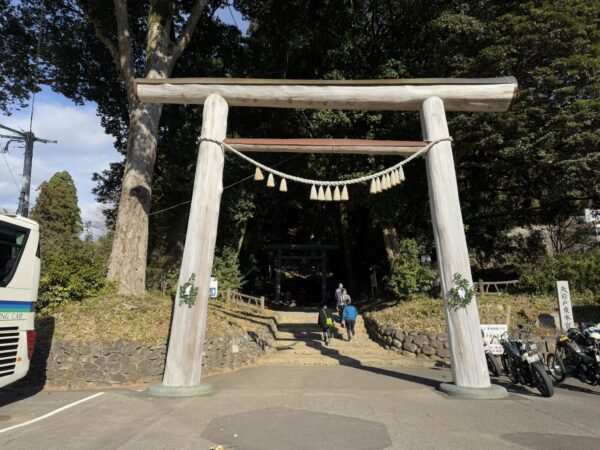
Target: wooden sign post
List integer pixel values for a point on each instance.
(565, 309)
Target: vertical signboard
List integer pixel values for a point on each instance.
(492, 333)
(213, 287)
(564, 305)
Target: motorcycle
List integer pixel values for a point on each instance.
(490, 358)
(522, 364)
(577, 354)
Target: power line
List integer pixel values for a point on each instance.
(9, 169)
(37, 59)
(231, 12)
(226, 187)
(252, 176)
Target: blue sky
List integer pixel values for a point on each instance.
(83, 147)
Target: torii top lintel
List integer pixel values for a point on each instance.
(458, 94)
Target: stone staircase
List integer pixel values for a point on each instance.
(299, 342)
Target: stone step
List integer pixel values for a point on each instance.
(313, 335)
(328, 353)
(335, 343)
(299, 342)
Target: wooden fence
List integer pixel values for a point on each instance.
(495, 287)
(233, 296)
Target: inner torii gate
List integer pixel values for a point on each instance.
(307, 252)
(431, 97)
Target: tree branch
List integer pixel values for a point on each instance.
(100, 33)
(125, 60)
(188, 30)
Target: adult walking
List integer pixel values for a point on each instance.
(349, 315)
(326, 323)
(340, 301)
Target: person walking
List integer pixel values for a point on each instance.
(349, 315)
(340, 301)
(326, 323)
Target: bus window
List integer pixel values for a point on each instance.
(12, 243)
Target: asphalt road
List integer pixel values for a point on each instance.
(331, 407)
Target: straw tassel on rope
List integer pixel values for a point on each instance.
(313, 193)
(258, 175)
(271, 181)
(283, 185)
(336, 194)
(345, 196)
(321, 196)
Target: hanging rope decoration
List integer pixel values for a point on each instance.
(321, 190)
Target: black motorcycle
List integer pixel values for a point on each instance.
(522, 364)
(577, 354)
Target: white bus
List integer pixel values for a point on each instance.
(19, 281)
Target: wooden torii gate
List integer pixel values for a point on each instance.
(431, 97)
(308, 251)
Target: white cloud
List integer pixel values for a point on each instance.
(83, 148)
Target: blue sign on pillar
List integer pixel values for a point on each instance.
(213, 287)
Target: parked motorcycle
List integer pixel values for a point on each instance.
(492, 362)
(522, 364)
(577, 354)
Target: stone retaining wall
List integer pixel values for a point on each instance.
(74, 364)
(413, 344)
(433, 346)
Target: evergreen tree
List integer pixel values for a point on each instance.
(72, 269)
(56, 209)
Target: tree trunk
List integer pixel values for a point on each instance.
(347, 241)
(390, 240)
(127, 263)
(240, 244)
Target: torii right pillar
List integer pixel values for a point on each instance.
(469, 368)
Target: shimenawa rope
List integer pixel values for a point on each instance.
(309, 181)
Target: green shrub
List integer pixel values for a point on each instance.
(163, 273)
(71, 270)
(226, 269)
(407, 275)
(581, 270)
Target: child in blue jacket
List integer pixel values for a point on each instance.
(349, 316)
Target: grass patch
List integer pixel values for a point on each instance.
(144, 319)
(426, 314)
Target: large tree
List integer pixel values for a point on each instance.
(94, 50)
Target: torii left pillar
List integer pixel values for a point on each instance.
(183, 368)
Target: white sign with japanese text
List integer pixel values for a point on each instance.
(564, 305)
(492, 333)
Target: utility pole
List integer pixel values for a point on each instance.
(28, 138)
